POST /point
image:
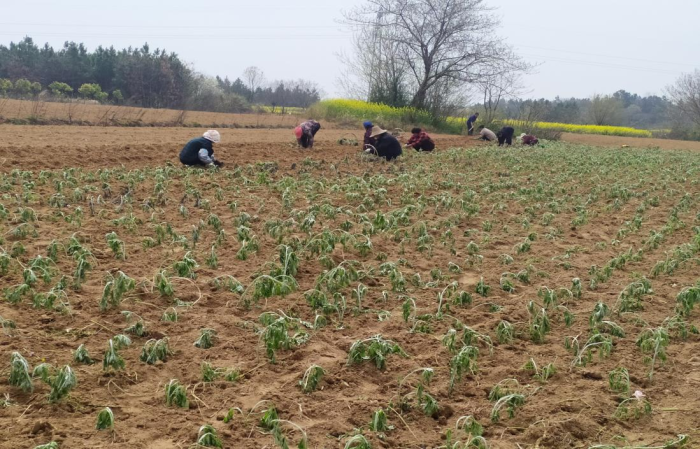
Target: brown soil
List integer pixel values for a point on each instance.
(636, 142)
(96, 114)
(574, 409)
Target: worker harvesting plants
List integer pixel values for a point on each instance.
(368, 141)
(387, 146)
(528, 139)
(486, 134)
(470, 123)
(420, 141)
(199, 152)
(306, 132)
(505, 135)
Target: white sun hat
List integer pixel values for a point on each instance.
(212, 135)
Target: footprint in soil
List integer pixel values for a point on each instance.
(469, 279)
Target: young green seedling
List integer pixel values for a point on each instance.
(619, 381)
(19, 373)
(81, 356)
(374, 349)
(61, 381)
(511, 402)
(311, 378)
(208, 437)
(176, 394)
(206, 339)
(105, 419)
(654, 342)
(155, 350)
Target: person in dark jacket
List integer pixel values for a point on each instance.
(420, 140)
(387, 146)
(505, 135)
(306, 132)
(200, 151)
(471, 123)
(368, 141)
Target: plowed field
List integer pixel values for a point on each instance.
(419, 289)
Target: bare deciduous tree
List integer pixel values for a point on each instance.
(497, 88)
(685, 95)
(254, 78)
(435, 40)
(605, 110)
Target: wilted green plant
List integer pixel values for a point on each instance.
(105, 419)
(583, 355)
(463, 362)
(539, 324)
(111, 358)
(213, 260)
(505, 332)
(619, 381)
(170, 314)
(511, 402)
(156, 350)
(634, 407)
(541, 374)
(275, 334)
(164, 285)
(135, 323)
(357, 442)
(311, 378)
(81, 356)
(185, 267)
(61, 381)
(117, 246)
(654, 342)
(379, 421)
(51, 445)
(482, 288)
(208, 437)
(114, 290)
(374, 349)
(206, 339)
(19, 373)
(176, 394)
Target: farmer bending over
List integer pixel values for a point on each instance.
(200, 151)
(470, 124)
(486, 134)
(420, 141)
(528, 139)
(386, 145)
(306, 132)
(369, 141)
(505, 135)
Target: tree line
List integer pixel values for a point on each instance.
(137, 77)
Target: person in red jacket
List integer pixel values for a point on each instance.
(306, 132)
(528, 139)
(420, 140)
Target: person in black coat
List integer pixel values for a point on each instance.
(505, 135)
(386, 146)
(200, 151)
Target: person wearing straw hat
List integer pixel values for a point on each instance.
(387, 146)
(306, 132)
(199, 152)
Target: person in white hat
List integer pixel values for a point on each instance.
(200, 151)
(386, 145)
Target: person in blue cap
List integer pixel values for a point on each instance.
(369, 140)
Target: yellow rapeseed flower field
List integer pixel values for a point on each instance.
(343, 109)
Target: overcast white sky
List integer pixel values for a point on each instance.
(584, 46)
